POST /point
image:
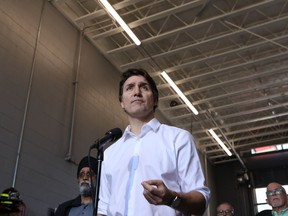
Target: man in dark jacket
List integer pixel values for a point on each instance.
(82, 204)
(265, 213)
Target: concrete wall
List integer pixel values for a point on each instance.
(41, 135)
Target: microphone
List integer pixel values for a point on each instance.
(110, 136)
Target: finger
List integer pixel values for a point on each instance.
(152, 198)
(149, 197)
(153, 182)
(148, 186)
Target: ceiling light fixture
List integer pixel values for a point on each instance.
(116, 16)
(228, 152)
(179, 92)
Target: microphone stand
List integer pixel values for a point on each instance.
(100, 157)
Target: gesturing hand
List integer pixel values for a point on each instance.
(156, 192)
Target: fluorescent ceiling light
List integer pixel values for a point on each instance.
(228, 152)
(116, 16)
(179, 92)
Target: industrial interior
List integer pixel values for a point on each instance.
(60, 65)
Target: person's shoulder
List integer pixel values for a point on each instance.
(174, 129)
(66, 203)
(69, 203)
(264, 213)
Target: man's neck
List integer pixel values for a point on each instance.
(137, 124)
(86, 200)
(279, 209)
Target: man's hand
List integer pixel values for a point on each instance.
(156, 192)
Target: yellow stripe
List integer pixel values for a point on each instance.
(4, 195)
(6, 202)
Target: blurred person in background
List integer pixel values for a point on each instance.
(83, 203)
(225, 209)
(277, 199)
(11, 204)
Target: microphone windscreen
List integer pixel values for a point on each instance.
(116, 133)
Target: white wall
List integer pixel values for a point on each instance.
(44, 178)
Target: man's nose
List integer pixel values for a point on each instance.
(137, 91)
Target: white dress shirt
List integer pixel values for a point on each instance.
(160, 152)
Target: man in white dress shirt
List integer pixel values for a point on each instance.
(154, 168)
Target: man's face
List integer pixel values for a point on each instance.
(137, 98)
(84, 181)
(276, 196)
(225, 210)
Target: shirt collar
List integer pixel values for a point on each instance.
(281, 212)
(153, 125)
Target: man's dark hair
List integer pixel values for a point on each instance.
(139, 72)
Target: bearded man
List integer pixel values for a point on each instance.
(83, 203)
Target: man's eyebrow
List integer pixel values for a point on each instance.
(143, 83)
(134, 83)
(129, 84)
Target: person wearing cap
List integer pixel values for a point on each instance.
(83, 203)
(11, 204)
(277, 199)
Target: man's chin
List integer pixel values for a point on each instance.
(85, 189)
(86, 193)
(276, 205)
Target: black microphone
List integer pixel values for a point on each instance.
(110, 136)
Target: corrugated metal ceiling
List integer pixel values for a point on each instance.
(229, 57)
